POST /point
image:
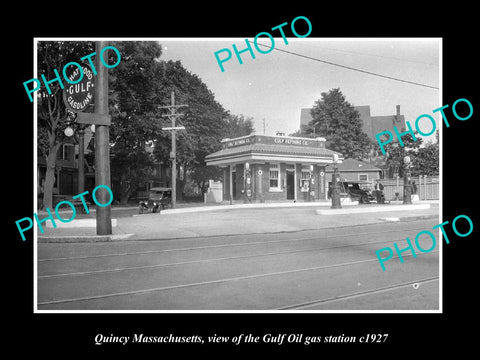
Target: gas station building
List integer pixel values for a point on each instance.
(261, 168)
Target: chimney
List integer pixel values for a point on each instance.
(398, 110)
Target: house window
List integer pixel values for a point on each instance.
(274, 177)
(66, 152)
(305, 179)
(363, 177)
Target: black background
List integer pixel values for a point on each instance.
(60, 335)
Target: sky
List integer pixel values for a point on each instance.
(277, 85)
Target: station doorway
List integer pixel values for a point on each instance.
(234, 185)
(290, 185)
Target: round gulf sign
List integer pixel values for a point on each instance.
(79, 91)
(259, 172)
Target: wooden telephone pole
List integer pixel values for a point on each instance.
(102, 149)
(173, 154)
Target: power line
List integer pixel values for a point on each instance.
(365, 54)
(350, 68)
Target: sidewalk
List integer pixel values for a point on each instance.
(231, 220)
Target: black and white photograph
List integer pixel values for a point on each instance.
(225, 181)
(272, 175)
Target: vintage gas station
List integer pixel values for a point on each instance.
(261, 168)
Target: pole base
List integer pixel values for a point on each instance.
(336, 205)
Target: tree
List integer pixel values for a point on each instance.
(238, 125)
(54, 55)
(140, 84)
(426, 161)
(234, 126)
(134, 86)
(204, 122)
(425, 158)
(337, 120)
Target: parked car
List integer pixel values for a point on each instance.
(159, 198)
(356, 190)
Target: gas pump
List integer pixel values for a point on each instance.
(311, 186)
(248, 183)
(312, 189)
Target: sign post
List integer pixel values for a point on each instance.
(102, 147)
(77, 97)
(80, 93)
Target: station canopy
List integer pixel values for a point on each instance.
(262, 148)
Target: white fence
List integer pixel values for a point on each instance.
(428, 187)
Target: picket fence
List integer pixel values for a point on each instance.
(428, 188)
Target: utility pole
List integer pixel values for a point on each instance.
(173, 154)
(102, 149)
(81, 159)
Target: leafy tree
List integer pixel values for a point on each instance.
(133, 86)
(426, 161)
(54, 55)
(140, 84)
(238, 125)
(395, 154)
(425, 157)
(234, 126)
(337, 120)
(203, 120)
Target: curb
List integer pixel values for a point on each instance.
(79, 223)
(91, 210)
(249, 206)
(410, 218)
(364, 210)
(82, 238)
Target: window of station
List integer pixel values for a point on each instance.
(274, 177)
(305, 178)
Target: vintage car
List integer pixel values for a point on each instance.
(359, 190)
(356, 190)
(159, 198)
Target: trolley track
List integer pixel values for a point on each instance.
(225, 245)
(236, 279)
(323, 270)
(318, 249)
(354, 295)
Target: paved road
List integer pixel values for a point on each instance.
(318, 269)
(226, 222)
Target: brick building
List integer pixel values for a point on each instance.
(260, 168)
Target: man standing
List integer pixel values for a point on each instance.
(379, 192)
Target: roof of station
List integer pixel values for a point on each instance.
(272, 149)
